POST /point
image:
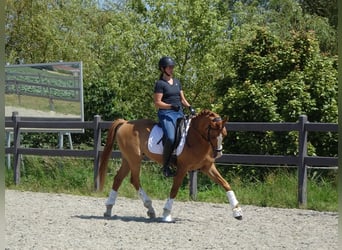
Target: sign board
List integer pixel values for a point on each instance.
(45, 91)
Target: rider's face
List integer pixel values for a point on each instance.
(169, 69)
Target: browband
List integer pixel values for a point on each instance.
(217, 119)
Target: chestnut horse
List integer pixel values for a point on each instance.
(203, 145)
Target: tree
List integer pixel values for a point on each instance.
(323, 8)
(281, 17)
(227, 52)
(134, 42)
(276, 80)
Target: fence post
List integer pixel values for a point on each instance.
(193, 184)
(97, 146)
(302, 169)
(8, 144)
(16, 146)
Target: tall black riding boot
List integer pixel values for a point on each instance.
(168, 148)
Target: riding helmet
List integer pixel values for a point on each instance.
(166, 61)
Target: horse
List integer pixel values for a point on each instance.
(203, 144)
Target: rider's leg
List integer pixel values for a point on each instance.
(167, 151)
(168, 126)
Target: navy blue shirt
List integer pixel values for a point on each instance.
(171, 93)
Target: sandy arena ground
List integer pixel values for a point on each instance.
(60, 221)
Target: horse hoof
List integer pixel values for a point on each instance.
(237, 213)
(151, 215)
(167, 215)
(107, 215)
(108, 212)
(238, 217)
(167, 218)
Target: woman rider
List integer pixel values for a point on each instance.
(169, 98)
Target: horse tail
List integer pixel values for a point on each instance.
(107, 151)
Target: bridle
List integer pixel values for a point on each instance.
(215, 150)
(209, 129)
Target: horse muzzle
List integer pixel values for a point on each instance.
(219, 149)
(218, 152)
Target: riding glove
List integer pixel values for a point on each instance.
(192, 110)
(175, 107)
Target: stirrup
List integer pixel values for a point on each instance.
(167, 171)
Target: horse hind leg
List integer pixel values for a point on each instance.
(119, 177)
(110, 203)
(147, 203)
(135, 181)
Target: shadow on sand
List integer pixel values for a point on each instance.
(124, 218)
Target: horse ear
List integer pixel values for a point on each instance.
(226, 119)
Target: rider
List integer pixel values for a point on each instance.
(169, 98)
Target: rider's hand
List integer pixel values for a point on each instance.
(175, 107)
(192, 110)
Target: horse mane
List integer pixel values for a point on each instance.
(204, 112)
(211, 115)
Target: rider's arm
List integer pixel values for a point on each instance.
(159, 103)
(183, 99)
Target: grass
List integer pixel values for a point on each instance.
(75, 176)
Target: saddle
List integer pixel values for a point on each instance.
(180, 129)
(156, 138)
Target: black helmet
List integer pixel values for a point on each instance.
(166, 61)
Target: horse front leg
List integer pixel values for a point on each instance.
(167, 210)
(237, 211)
(215, 175)
(177, 181)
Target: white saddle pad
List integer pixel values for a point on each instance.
(155, 144)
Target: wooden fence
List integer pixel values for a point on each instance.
(302, 161)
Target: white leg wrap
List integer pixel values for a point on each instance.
(142, 195)
(237, 211)
(112, 198)
(167, 210)
(232, 199)
(168, 204)
(145, 199)
(147, 203)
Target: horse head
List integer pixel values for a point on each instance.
(212, 129)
